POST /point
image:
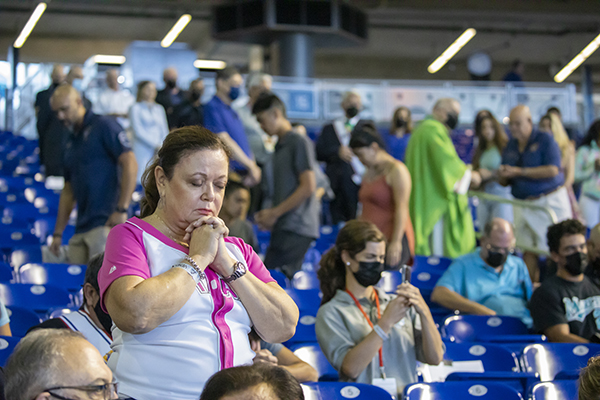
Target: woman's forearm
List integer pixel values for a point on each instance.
(361, 355)
(273, 313)
(433, 347)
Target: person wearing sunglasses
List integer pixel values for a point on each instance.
(490, 280)
(57, 364)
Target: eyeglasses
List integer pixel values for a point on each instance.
(107, 391)
(503, 250)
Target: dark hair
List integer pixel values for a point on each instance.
(500, 138)
(479, 118)
(91, 273)
(553, 109)
(178, 143)
(226, 73)
(409, 123)
(232, 380)
(589, 380)
(232, 187)
(565, 228)
(141, 85)
(364, 135)
(592, 135)
(353, 238)
(546, 117)
(266, 101)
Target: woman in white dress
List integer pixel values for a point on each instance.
(149, 125)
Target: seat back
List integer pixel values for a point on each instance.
(308, 300)
(7, 345)
(313, 355)
(466, 328)
(21, 319)
(493, 357)
(66, 276)
(304, 280)
(431, 262)
(280, 277)
(389, 281)
(557, 360)
(343, 391)
(461, 391)
(35, 297)
(305, 330)
(6, 272)
(425, 279)
(25, 254)
(557, 390)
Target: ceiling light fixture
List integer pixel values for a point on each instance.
(451, 50)
(108, 59)
(209, 64)
(33, 19)
(578, 60)
(176, 30)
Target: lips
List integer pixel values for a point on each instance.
(204, 211)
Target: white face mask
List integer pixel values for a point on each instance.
(78, 84)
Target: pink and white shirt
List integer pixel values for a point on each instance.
(209, 333)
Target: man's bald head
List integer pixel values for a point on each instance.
(76, 72)
(58, 74)
(520, 124)
(66, 103)
(170, 75)
(444, 107)
(498, 226)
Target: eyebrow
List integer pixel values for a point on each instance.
(206, 176)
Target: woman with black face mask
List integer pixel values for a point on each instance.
(370, 336)
(400, 129)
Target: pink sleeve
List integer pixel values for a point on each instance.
(253, 261)
(124, 255)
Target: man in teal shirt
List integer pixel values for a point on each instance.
(490, 280)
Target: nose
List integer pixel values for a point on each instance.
(209, 193)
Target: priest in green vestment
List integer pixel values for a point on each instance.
(440, 182)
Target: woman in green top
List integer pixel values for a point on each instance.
(587, 171)
(487, 159)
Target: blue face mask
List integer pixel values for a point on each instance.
(234, 93)
(78, 84)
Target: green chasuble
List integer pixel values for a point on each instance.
(435, 168)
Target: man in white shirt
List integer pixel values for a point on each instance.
(114, 101)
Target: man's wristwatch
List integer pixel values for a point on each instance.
(121, 210)
(239, 270)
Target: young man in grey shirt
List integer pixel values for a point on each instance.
(294, 217)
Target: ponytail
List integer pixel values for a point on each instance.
(331, 274)
(151, 197)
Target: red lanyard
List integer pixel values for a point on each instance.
(370, 323)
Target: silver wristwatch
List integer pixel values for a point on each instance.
(190, 270)
(239, 270)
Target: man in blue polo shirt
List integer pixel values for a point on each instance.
(531, 163)
(220, 118)
(100, 172)
(490, 280)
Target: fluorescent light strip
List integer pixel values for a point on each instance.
(451, 50)
(176, 30)
(578, 60)
(35, 16)
(209, 64)
(107, 59)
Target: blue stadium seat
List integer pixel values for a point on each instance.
(557, 390)
(461, 391)
(21, 319)
(56, 312)
(7, 345)
(10, 238)
(66, 276)
(35, 297)
(25, 254)
(312, 355)
(303, 280)
(305, 330)
(493, 357)
(557, 360)
(431, 262)
(344, 391)
(6, 272)
(308, 300)
(425, 279)
(280, 277)
(469, 328)
(389, 281)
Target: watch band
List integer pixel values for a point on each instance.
(190, 270)
(239, 270)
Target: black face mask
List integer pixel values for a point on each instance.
(576, 263)
(195, 95)
(103, 317)
(171, 83)
(496, 258)
(351, 112)
(369, 273)
(452, 120)
(400, 123)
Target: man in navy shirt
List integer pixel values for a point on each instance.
(220, 118)
(531, 163)
(100, 172)
(171, 96)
